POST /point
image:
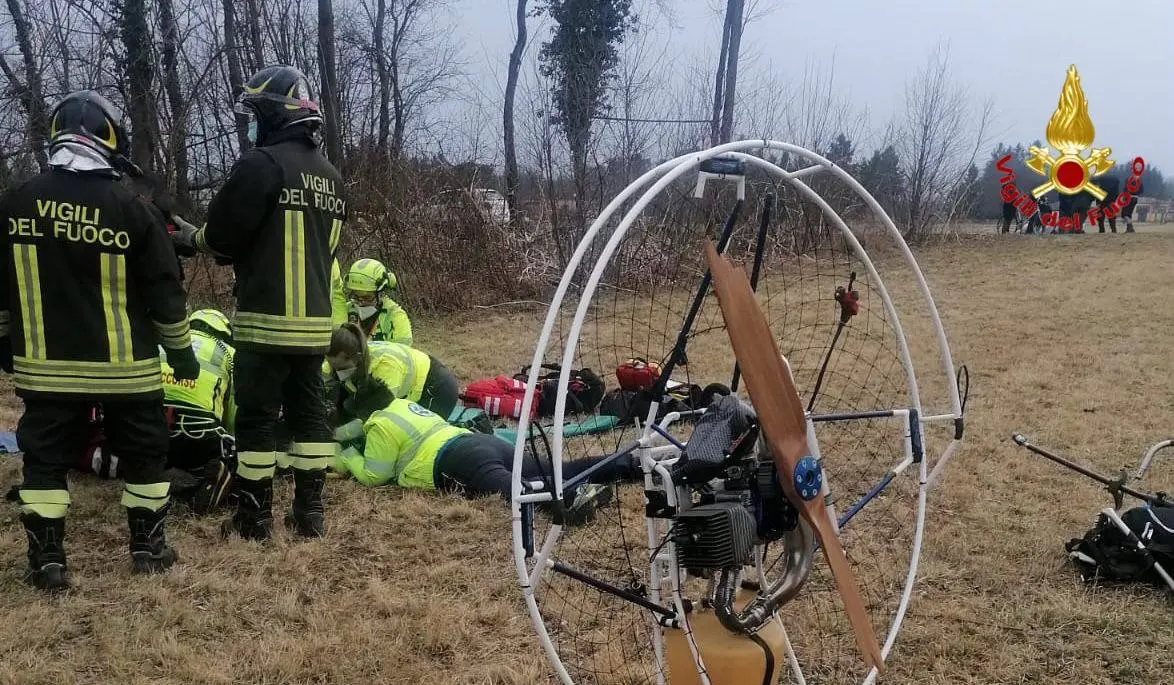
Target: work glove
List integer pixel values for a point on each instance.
(184, 364)
(184, 237)
(343, 456)
(6, 354)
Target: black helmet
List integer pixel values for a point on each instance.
(278, 96)
(87, 118)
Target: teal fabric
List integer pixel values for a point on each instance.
(595, 424)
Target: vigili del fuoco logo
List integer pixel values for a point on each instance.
(1071, 133)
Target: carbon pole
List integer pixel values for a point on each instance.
(677, 356)
(1114, 484)
(759, 248)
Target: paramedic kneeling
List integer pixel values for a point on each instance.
(408, 445)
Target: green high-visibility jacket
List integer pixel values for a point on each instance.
(401, 444)
(211, 394)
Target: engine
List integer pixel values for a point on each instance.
(738, 503)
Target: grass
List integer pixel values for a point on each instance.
(1066, 339)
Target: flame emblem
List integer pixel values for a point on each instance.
(1071, 132)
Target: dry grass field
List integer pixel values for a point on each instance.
(1067, 339)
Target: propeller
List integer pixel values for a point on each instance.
(784, 426)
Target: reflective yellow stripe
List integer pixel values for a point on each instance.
(28, 282)
(295, 263)
(284, 331)
(310, 456)
(335, 234)
(97, 370)
(175, 336)
(256, 465)
(153, 496)
(51, 504)
(113, 268)
(278, 322)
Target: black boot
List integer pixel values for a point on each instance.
(253, 519)
(307, 516)
(47, 568)
(149, 551)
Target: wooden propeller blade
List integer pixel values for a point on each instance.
(780, 414)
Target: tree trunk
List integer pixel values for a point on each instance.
(384, 79)
(136, 36)
(511, 89)
(258, 43)
(722, 56)
(329, 77)
(730, 95)
(177, 144)
(31, 94)
(235, 72)
(399, 107)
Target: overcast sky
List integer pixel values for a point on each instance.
(1014, 51)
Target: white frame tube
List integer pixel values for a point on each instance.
(672, 170)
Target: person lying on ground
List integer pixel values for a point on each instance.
(361, 378)
(412, 447)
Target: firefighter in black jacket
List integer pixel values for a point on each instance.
(278, 218)
(90, 289)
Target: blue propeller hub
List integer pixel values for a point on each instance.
(808, 478)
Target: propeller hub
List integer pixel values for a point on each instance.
(808, 478)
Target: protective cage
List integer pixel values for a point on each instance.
(609, 600)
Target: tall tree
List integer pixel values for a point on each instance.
(580, 59)
(30, 93)
(734, 23)
(511, 90)
(232, 51)
(177, 142)
(140, 73)
(720, 80)
(329, 77)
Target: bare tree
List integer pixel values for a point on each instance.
(734, 25)
(511, 89)
(139, 77)
(177, 141)
(30, 92)
(937, 144)
(329, 76)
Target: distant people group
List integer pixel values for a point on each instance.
(1077, 208)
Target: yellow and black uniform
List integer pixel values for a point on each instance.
(89, 289)
(279, 218)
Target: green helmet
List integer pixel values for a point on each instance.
(369, 276)
(212, 322)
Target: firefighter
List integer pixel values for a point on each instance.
(202, 415)
(90, 288)
(278, 218)
(369, 286)
(414, 448)
(1112, 187)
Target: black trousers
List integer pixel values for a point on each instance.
(51, 434)
(483, 464)
(267, 385)
(441, 389)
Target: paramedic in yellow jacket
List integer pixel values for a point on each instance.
(368, 290)
(407, 445)
(201, 414)
(338, 301)
(370, 376)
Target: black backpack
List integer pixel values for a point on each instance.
(1106, 553)
(584, 389)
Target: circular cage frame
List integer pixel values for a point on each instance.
(665, 174)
